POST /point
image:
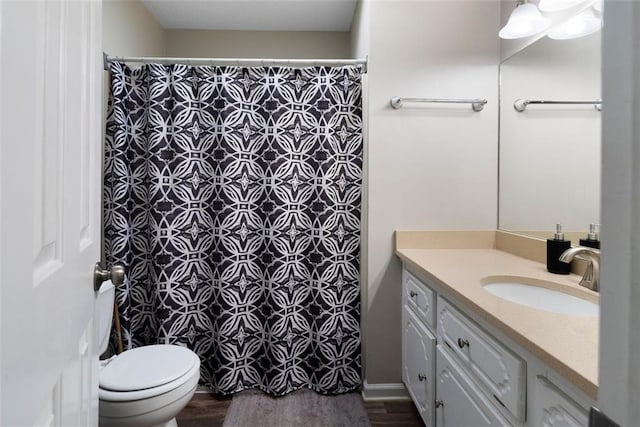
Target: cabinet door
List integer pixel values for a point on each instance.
(461, 404)
(552, 408)
(420, 298)
(418, 352)
(486, 359)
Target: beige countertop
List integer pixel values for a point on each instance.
(568, 344)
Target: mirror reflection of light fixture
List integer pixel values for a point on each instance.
(598, 6)
(526, 20)
(558, 5)
(581, 25)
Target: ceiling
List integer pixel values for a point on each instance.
(254, 15)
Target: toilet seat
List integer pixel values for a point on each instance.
(146, 372)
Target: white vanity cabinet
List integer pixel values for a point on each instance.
(460, 402)
(461, 373)
(420, 298)
(555, 409)
(419, 346)
(418, 351)
(502, 373)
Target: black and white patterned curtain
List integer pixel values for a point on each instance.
(232, 197)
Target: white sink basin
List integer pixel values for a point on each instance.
(536, 294)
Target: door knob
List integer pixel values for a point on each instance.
(439, 403)
(116, 274)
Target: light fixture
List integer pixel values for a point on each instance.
(558, 5)
(598, 6)
(526, 20)
(579, 26)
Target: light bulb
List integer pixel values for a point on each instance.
(598, 6)
(579, 26)
(524, 21)
(558, 5)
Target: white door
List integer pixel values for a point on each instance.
(50, 168)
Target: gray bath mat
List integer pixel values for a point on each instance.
(303, 408)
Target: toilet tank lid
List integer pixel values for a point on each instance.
(147, 367)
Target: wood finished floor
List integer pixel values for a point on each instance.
(207, 410)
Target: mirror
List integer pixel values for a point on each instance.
(549, 168)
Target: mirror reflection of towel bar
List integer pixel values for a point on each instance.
(477, 104)
(521, 104)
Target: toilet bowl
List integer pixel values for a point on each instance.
(145, 386)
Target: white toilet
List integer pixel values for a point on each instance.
(146, 386)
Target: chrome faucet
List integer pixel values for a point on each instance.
(591, 277)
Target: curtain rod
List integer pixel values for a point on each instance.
(241, 62)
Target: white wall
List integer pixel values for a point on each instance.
(257, 44)
(129, 29)
(359, 46)
(430, 166)
(544, 146)
(360, 34)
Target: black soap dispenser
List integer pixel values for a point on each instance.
(592, 238)
(555, 248)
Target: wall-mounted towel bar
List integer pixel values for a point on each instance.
(521, 104)
(476, 104)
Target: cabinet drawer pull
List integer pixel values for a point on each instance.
(422, 377)
(462, 343)
(413, 294)
(439, 403)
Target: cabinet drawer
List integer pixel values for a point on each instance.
(418, 363)
(495, 367)
(553, 408)
(420, 298)
(461, 403)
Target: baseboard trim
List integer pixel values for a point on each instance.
(384, 391)
(370, 392)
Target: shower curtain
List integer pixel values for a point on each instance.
(232, 197)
